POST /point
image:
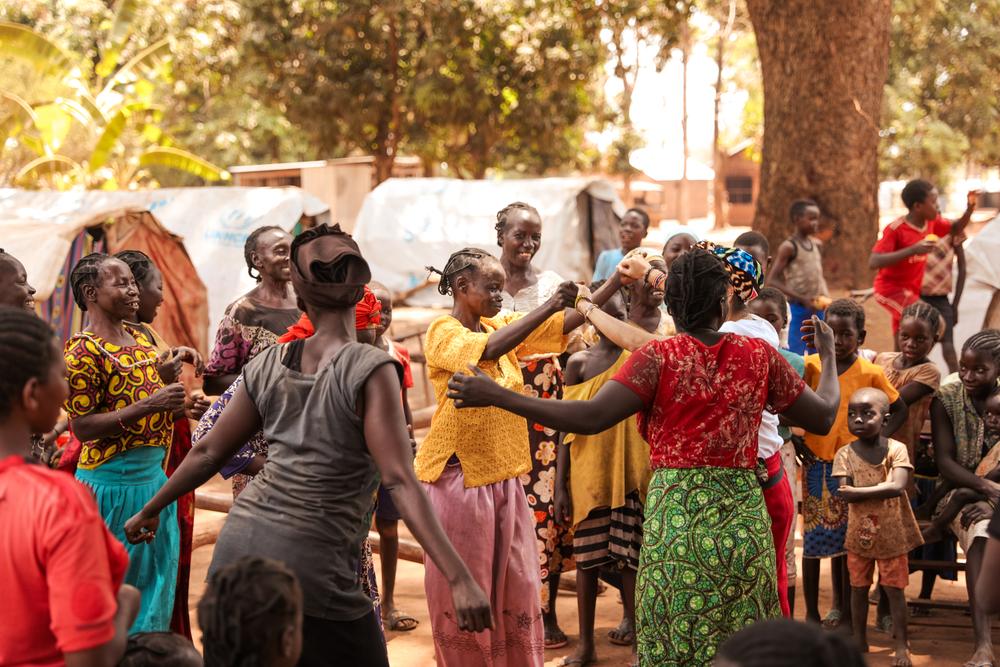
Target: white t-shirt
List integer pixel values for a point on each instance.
(768, 440)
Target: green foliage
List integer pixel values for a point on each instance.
(83, 119)
(942, 103)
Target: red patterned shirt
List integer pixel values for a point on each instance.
(703, 404)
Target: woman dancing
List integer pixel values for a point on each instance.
(707, 563)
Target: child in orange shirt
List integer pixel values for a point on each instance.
(823, 510)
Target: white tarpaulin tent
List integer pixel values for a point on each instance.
(406, 224)
(39, 226)
(982, 284)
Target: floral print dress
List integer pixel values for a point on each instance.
(543, 378)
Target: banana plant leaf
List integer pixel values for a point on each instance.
(23, 43)
(176, 158)
(121, 29)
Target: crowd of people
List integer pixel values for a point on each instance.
(649, 430)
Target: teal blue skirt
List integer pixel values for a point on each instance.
(122, 486)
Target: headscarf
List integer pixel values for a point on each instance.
(745, 273)
(367, 315)
(328, 270)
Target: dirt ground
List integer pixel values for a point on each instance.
(942, 640)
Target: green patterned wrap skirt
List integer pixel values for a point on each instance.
(707, 564)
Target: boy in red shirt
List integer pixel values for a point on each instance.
(901, 252)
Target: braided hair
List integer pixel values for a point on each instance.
(246, 608)
(925, 312)
(86, 273)
(26, 352)
(986, 341)
(250, 247)
(786, 643)
(697, 282)
(459, 261)
(139, 262)
(848, 308)
(503, 214)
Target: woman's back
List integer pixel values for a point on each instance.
(704, 403)
(306, 508)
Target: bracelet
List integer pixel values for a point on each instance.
(586, 315)
(580, 296)
(121, 424)
(579, 300)
(645, 278)
(660, 281)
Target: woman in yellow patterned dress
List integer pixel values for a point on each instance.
(122, 411)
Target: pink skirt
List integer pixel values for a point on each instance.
(493, 531)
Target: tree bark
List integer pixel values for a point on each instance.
(824, 66)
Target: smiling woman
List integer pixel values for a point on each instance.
(122, 411)
(14, 288)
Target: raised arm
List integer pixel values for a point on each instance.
(237, 423)
(622, 334)
(599, 298)
(958, 227)
(816, 411)
(613, 403)
(388, 442)
(506, 338)
(959, 280)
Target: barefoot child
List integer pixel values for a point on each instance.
(386, 515)
(798, 270)
(823, 510)
(600, 490)
(874, 473)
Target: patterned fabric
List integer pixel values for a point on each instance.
(703, 405)
(861, 374)
(60, 310)
(610, 536)
(824, 512)
(256, 445)
(246, 329)
(543, 379)
(938, 269)
(491, 443)
(707, 564)
(966, 424)
(882, 528)
(103, 378)
(906, 275)
(745, 273)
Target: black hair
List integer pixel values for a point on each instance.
(696, 283)
(921, 310)
(986, 341)
(459, 261)
(785, 643)
(775, 296)
(26, 352)
(246, 608)
(139, 263)
(159, 649)
(502, 214)
(642, 214)
(798, 208)
(848, 308)
(86, 273)
(250, 247)
(753, 240)
(916, 191)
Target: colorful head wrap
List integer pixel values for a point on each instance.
(367, 315)
(745, 273)
(328, 270)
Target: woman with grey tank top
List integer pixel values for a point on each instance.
(329, 407)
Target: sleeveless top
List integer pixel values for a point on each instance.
(307, 506)
(804, 273)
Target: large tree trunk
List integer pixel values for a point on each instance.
(824, 65)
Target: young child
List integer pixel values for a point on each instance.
(901, 252)
(771, 305)
(251, 614)
(632, 230)
(601, 486)
(823, 510)
(874, 473)
(937, 285)
(798, 270)
(386, 515)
